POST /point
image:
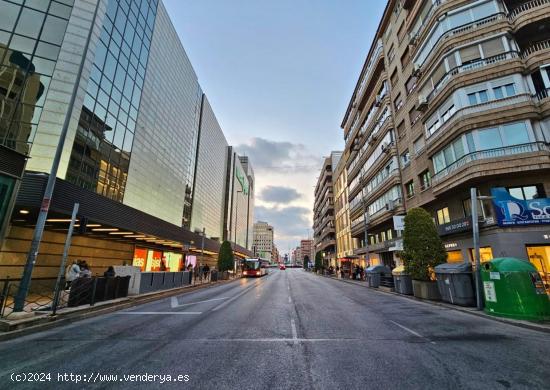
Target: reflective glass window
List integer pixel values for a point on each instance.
(54, 30)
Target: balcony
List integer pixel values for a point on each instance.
(460, 114)
(489, 154)
(528, 8)
(473, 66)
(370, 67)
(468, 28)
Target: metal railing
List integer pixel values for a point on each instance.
(542, 95)
(468, 67)
(370, 66)
(490, 153)
(526, 7)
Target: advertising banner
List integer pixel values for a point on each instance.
(516, 212)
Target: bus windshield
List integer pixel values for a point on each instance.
(252, 265)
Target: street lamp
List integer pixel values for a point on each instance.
(475, 228)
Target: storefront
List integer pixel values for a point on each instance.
(150, 260)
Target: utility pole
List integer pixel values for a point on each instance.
(24, 285)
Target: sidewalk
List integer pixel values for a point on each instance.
(538, 326)
(10, 329)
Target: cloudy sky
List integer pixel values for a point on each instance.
(279, 75)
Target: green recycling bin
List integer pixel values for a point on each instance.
(513, 288)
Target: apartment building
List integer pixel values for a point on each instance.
(263, 241)
(454, 95)
(324, 233)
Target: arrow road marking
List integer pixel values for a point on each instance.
(411, 331)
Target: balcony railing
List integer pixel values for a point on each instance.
(435, 5)
(468, 67)
(526, 7)
(469, 110)
(490, 153)
(462, 29)
(542, 95)
(370, 67)
(536, 47)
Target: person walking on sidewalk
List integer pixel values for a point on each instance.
(72, 272)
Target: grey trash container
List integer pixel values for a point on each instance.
(455, 283)
(402, 281)
(373, 274)
(214, 275)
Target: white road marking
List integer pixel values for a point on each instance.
(159, 312)
(235, 297)
(271, 340)
(294, 333)
(174, 302)
(411, 331)
(289, 300)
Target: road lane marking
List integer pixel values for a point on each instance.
(294, 333)
(271, 340)
(412, 331)
(174, 302)
(159, 312)
(235, 297)
(289, 300)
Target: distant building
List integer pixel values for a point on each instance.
(307, 249)
(262, 244)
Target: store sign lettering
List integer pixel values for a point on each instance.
(511, 211)
(241, 179)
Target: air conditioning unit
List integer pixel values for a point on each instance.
(390, 205)
(416, 69)
(422, 103)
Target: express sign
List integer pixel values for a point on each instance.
(515, 212)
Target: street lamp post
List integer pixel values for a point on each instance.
(475, 228)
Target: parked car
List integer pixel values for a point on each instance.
(282, 267)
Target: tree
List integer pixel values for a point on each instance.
(422, 246)
(306, 262)
(318, 261)
(225, 257)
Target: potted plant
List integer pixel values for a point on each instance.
(225, 259)
(422, 251)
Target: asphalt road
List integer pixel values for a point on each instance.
(289, 330)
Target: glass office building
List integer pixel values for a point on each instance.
(31, 34)
(208, 205)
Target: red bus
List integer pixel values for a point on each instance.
(255, 267)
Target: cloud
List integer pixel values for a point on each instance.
(275, 194)
(290, 223)
(278, 156)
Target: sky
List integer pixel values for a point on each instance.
(279, 75)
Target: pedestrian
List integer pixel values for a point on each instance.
(206, 272)
(72, 272)
(85, 270)
(110, 273)
(162, 265)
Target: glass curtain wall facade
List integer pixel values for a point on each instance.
(210, 172)
(162, 167)
(31, 34)
(102, 147)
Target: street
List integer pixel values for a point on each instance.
(290, 329)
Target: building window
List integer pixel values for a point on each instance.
(504, 91)
(398, 102)
(391, 54)
(405, 158)
(409, 189)
(527, 192)
(443, 216)
(414, 114)
(405, 58)
(419, 144)
(394, 78)
(411, 84)
(478, 97)
(425, 180)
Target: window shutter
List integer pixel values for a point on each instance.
(493, 47)
(469, 54)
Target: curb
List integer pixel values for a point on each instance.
(26, 327)
(518, 323)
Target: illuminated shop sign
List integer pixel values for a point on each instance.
(511, 211)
